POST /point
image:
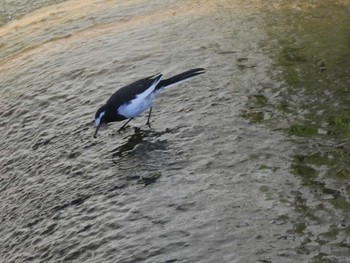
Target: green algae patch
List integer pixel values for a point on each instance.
(300, 228)
(255, 110)
(316, 66)
(254, 116)
(310, 103)
(306, 130)
(310, 49)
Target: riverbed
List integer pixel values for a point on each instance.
(245, 163)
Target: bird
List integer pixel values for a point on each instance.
(131, 100)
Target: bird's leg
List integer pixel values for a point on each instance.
(149, 117)
(123, 127)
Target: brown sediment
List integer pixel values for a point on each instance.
(51, 18)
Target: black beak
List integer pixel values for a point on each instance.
(97, 128)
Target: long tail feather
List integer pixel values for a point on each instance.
(180, 78)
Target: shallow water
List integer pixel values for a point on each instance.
(213, 180)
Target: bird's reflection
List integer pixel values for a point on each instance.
(140, 143)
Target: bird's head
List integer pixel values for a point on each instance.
(100, 118)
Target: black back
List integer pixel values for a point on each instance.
(130, 91)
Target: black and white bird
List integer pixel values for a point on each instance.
(133, 99)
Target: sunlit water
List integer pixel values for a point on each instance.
(204, 184)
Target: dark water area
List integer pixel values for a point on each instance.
(246, 163)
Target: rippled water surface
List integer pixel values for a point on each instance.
(217, 178)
